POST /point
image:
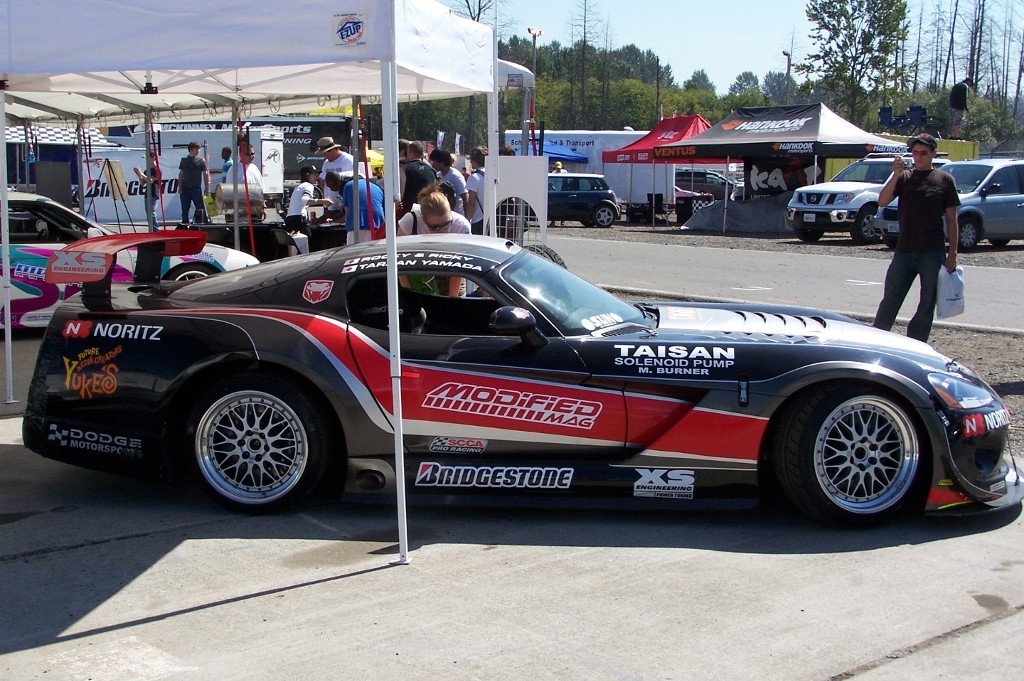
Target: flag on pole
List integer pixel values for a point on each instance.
(440, 138)
(458, 144)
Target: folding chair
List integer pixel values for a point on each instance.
(885, 118)
(915, 119)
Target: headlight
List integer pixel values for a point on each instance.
(957, 393)
(845, 198)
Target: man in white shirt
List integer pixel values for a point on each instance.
(298, 214)
(336, 159)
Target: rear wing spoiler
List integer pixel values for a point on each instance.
(90, 262)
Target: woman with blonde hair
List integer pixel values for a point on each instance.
(433, 215)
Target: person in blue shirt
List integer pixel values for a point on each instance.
(364, 233)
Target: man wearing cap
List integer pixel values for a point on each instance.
(958, 106)
(192, 171)
(558, 167)
(927, 195)
(336, 159)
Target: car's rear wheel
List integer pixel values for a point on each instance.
(258, 443)
(808, 235)
(999, 243)
(547, 253)
(848, 454)
(190, 270)
(603, 216)
(864, 229)
(970, 233)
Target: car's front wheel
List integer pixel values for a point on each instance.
(970, 233)
(808, 235)
(603, 216)
(258, 443)
(848, 454)
(864, 229)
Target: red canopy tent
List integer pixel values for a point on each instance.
(667, 131)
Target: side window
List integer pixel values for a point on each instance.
(585, 184)
(24, 227)
(421, 311)
(570, 184)
(715, 180)
(1007, 180)
(555, 184)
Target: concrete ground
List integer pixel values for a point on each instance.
(108, 578)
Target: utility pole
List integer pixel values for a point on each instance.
(789, 64)
(536, 33)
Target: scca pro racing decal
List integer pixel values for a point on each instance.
(514, 404)
(94, 441)
(664, 483)
(432, 474)
(458, 445)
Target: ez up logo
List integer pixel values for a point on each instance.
(349, 29)
(66, 267)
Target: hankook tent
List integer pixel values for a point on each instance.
(811, 129)
(231, 50)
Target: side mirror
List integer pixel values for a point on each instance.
(516, 321)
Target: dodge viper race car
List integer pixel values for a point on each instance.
(537, 389)
(40, 226)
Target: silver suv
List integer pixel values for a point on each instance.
(991, 203)
(846, 204)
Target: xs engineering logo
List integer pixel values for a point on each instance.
(664, 482)
(504, 403)
(93, 441)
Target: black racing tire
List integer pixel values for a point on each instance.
(189, 270)
(808, 235)
(864, 229)
(970, 233)
(999, 243)
(547, 253)
(258, 443)
(604, 215)
(849, 454)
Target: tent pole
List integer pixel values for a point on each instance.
(355, 236)
(236, 131)
(725, 204)
(5, 225)
(389, 123)
(493, 173)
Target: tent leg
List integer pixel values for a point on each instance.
(389, 121)
(5, 224)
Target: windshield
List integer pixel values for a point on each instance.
(574, 305)
(875, 173)
(967, 175)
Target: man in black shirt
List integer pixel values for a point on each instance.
(416, 174)
(927, 195)
(958, 106)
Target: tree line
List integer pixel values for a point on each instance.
(864, 54)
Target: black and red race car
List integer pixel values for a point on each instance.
(535, 388)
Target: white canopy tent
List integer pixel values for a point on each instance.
(236, 52)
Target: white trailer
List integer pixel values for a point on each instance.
(106, 204)
(631, 182)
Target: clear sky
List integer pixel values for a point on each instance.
(724, 38)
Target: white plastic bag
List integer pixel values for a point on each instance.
(949, 301)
